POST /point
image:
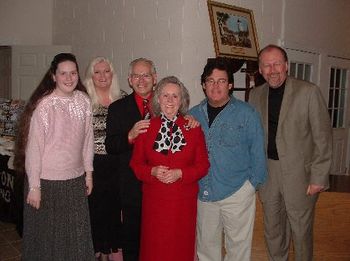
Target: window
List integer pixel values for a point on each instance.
(337, 97)
(300, 71)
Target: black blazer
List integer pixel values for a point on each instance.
(122, 115)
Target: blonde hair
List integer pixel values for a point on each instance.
(114, 90)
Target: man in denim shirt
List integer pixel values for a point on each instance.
(235, 142)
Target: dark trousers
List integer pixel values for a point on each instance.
(131, 232)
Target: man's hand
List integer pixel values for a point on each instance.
(312, 189)
(138, 128)
(191, 121)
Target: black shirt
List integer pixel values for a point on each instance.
(213, 112)
(274, 103)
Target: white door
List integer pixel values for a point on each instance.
(29, 64)
(336, 75)
(303, 65)
(332, 76)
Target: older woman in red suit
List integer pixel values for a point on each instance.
(169, 159)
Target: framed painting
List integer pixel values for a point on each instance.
(234, 32)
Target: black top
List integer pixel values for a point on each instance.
(122, 115)
(213, 112)
(275, 102)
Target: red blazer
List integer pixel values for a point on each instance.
(192, 160)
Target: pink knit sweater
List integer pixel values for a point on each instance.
(60, 142)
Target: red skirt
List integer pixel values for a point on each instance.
(168, 229)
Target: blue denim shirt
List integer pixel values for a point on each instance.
(235, 143)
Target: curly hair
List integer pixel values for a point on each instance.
(45, 87)
(185, 97)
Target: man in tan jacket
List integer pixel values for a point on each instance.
(299, 150)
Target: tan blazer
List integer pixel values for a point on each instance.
(303, 138)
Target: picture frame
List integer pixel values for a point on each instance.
(234, 32)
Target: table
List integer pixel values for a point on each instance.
(11, 194)
(7, 182)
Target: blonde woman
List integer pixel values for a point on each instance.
(102, 86)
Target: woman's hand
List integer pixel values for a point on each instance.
(167, 175)
(172, 175)
(34, 197)
(88, 182)
(159, 171)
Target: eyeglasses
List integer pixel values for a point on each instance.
(270, 65)
(220, 82)
(145, 76)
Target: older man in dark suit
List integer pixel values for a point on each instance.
(127, 118)
(299, 150)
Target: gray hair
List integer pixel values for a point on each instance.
(142, 60)
(185, 97)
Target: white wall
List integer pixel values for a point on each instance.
(175, 34)
(26, 22)
(321, 26)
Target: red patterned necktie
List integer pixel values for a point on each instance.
(146, 113)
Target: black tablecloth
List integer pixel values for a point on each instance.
(11, 194)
